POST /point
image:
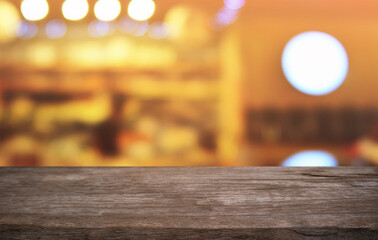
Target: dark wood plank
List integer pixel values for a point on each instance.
(189, 203)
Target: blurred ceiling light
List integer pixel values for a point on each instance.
(26, 29)
(311, 159)
(98, 29)
(141, 10)
(75, 9)
(107, 10)
(158, 30)
(56, 29)
(234, 4)
(34, 10)
(315, 63)
(9, 19)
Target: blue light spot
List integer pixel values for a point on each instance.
(315, 63)
(26, 29)
(311, 159)
(158, 30)
(234, 4)
(56, 29)
(98, 28)
(226, 16)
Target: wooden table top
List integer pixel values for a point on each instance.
(189, 203)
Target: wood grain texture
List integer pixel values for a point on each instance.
(189, 203)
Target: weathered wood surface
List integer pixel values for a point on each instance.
(189, 203)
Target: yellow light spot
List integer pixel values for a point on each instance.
(75, 9)
(9, 19)
(117, 52)
(41, 55)
(34, 10)
(107, 10)
(85, 54)
(141, 10)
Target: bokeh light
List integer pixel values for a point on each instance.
(56, 29)
(26, 29)
(75, 9)
(34, 10)
(315, 63)
(41, 55)
(9, 18)
(98, 29)
(127, 25)
(311, 159)
(142, 29)
(107, 10)
(158, 30)
(234, 4)
(141, 10)
(226, 16)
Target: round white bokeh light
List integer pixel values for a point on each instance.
(34, 10)
(315, 63)
(75, 9)
(311, 159)
(107, 10)
(141, 10)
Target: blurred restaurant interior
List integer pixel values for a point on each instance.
(188, 83)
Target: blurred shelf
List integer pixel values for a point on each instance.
(177, 84)
(182, 69)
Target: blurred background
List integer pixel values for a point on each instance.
(188, 83)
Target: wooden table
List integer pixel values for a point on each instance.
(189, 203)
